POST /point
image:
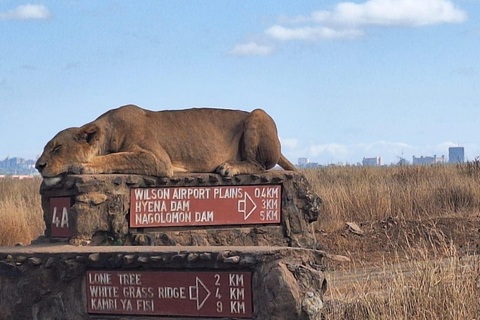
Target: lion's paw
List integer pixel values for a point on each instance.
(75, 168)
(227, 170)
(80, 168)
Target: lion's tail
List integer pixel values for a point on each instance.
(285, 164)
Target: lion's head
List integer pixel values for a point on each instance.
(68, 147)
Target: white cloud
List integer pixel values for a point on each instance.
(310, 33)
(332, 149)
(26, 12)
(446, 145)
(251, 48)
(347, 20)
(411, 13)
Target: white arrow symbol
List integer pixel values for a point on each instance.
(242, 206)
(196, 295)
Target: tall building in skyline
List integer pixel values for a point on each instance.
(456, 155)
(302, 162)
(428, 160)
(372, 162)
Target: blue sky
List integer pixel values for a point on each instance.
(343, 80)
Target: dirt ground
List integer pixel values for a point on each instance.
(380, 249)
(393, 239)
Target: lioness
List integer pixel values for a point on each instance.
(138, 141)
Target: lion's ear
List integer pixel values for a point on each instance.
(89, 133)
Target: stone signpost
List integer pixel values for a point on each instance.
(276, 208)
(199, 246)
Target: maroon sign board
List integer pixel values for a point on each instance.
(60, 213)
(205, 206)
(195, 294)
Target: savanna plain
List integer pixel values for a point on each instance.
(412, 252)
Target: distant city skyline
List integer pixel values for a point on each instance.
(455, 154)
(19, 165)
(394, 158)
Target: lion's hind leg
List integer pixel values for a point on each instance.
(260, 147)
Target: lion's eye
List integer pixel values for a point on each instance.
(56, 148)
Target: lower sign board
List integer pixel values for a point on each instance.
(196, 294)
(60, 211)
(205, 206)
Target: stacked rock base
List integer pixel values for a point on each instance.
(196, 246)
(101, 208)
(73, 283)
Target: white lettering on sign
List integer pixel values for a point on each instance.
(236, 280)
(269, 215)
(126, 304)
(177, 194)
(138, 292)
(130, 279)
(237, 307)
(179, 205)
(237, 294)
(209, 206)
(60, 217)
(168, 217)
(268, 192)
(104, 304)
(100, 278)
(216, 294)
(171, 293)
(270, 204)
(104, 292)
(205, 216)
(189, 193)
(145, 305)
(152, 194)
(150, 206)
(141, 305)
(104, 296)
(227, 193)
(63, 223)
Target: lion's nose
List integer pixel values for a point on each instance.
(40, 165)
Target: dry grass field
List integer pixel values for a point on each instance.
(403, 192)
(417, 256)
(21, 217)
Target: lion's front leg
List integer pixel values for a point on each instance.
(135, 162)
